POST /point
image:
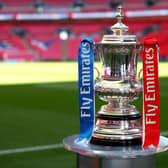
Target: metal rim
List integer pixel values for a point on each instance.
(71, 143)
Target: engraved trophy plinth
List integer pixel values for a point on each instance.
(117, 121)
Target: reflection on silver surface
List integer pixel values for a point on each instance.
(118, 84)
(115, 130)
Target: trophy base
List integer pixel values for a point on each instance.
(84, 161)
(72, 143)
(120, 142)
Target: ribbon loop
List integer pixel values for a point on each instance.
(151, 109)
(86, 88)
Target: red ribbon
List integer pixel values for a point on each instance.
(151, 109)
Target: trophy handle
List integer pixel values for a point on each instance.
(98, 74)
(139, 74)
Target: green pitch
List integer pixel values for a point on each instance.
(38, 107)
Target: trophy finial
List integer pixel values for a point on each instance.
(120, 13)
(119, 28)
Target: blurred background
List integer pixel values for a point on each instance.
(51, 30)
(39, 42)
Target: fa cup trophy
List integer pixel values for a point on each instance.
(114, 137)
(117, 121)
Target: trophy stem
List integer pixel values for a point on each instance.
(115, 104)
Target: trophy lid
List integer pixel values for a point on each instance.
(119, 35)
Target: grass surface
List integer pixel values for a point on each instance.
(13, 73)
(38, 106)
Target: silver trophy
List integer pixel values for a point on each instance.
(117, 122)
